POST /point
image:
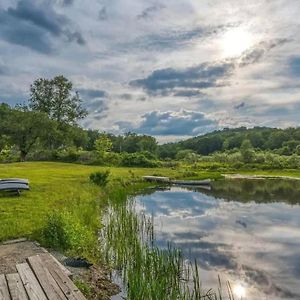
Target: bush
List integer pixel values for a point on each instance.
(42, 155)
(63, 231)
(87, 157)
(70, 154)
(100, 178)
(137, 160)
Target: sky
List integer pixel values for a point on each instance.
(171, 69)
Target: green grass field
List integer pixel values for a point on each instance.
(54, 186)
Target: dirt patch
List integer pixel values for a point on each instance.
(15, 253)
(97, 278)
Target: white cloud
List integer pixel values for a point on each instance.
(175, 35)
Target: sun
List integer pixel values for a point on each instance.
(235, 41)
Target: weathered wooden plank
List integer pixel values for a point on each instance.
(4, 293)
(47, 282)
(65, 283)
(16, 288)
(67, 286)
(31, 284)
(48, 257)
(20, 240)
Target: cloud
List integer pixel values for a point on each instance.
(31, 24)
(97, 108)
(148, 12)
(294, 65)
(173, 39)
(3, 69)
(90, 93)
(67, 2)
(172, 123)
(126, 96)
(188, 93)
(203, 76)
(192, 80)
(240, 105)
(256, 53)
(102, 15)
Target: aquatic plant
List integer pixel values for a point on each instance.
(147, 272)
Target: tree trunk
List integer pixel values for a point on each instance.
(23, 155)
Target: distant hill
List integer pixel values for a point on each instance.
(261, 138)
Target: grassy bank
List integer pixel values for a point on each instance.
(272, 173)
(56, 186)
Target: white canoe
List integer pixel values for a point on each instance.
(14, 180)
(11, 186)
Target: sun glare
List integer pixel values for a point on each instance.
(236, 41)
(239, 291)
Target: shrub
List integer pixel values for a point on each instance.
(100, 178)
(137, 160)
(70, 154)
(64, 231)
(87, 157)
(42, 155)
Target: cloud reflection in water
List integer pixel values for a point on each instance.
(254, 245)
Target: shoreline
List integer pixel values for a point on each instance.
(248, 176)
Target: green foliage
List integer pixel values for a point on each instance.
(103, 145)
(247, 151)
(100, 178)
(24, 128)
(54, 97)
(83, 287)
(69, 154)
(137, 160)
(261, 138)
(64, 231)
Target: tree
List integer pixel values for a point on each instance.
(24, 128)
(103, 145)
(55, 98)
(247, 151)
(147, 143)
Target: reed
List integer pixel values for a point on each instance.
(147, 272)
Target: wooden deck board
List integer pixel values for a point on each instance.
(4, 293)
(42, 278)
(16, 288)
(30, 282)
(65, 283)
(46, 280)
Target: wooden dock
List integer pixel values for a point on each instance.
(42, 277)
(167, 180)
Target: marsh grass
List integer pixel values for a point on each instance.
(147, 272)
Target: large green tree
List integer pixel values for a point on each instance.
(55, 97)
(24, 128)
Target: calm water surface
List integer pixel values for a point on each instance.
(247, 231)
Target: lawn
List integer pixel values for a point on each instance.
(54, 186)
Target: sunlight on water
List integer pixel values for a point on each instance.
(239, 291)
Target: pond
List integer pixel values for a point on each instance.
(246, 231)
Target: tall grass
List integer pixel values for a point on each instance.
(147, 272)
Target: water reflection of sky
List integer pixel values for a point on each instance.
(256, 246)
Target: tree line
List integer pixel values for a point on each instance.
(48, 129)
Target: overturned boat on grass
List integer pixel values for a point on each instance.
(14, 185)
